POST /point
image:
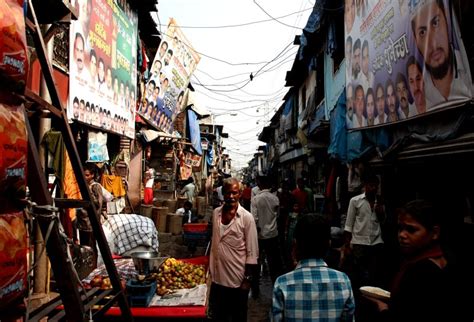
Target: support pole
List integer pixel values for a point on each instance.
(41, 271)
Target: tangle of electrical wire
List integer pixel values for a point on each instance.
(236, 100)
(242, 24)
(285, 59)
(249, 80)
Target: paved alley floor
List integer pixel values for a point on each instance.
(259, 309)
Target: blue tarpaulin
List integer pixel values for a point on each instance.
(313, 24)
(347, 146)
(286, 116)
(194, 132)
(338, 132)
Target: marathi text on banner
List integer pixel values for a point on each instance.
(102, 73)
(403, 59)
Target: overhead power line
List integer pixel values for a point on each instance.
(279, 64)
(242, 24)
(282, 52)
(273, 18)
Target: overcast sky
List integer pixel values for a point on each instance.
(230, 54)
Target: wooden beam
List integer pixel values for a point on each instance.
(39, 101)
(71, 203)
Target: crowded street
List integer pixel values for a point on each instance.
(234, 161)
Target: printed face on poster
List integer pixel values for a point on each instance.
(102, 66)
(404, 58)
(174, 63)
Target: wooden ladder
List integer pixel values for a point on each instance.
(76, 305)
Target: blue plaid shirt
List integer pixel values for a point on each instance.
(313, 292)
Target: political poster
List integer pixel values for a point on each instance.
(102, 66)
(172, 67)
(404, 59)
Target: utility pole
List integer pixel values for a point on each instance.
(41, 271)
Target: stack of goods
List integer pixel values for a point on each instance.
(13, 153)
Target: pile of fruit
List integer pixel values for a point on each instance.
(103, 282)
(175, 274)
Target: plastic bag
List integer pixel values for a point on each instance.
(13, 157)
(13, 249)
(13, 51)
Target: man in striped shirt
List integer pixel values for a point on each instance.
(313, 291)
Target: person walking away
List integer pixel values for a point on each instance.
(290, 232)
(189, 190)
(287, 201)
(265, 211)
(233, 257)
(427, 286)
(300, 194)
(313, 291)
(255, 189)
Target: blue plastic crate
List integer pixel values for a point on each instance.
(139, 294)
(196, 235)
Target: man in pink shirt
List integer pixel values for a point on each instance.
(234, 254)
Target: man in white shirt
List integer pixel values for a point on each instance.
(363, 234)
(264, 209)
(186, 211)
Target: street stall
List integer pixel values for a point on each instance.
(159, 287)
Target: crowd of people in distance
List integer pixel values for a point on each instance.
(280, 228)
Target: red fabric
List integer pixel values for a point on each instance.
(148, 198)
(162, 311)
(301, 197)
(201, 260)
(434, 252)
(246, 193)
(331, 183)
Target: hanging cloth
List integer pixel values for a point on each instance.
(53, 141)
(71, 188)
(113, 184)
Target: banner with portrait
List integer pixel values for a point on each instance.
(102, 66)
(171, 70)
(404, 59)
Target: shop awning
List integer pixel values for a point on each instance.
(461, 146)
(290, 155)
(152, 135)
(318, 117)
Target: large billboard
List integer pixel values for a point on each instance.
(102, 66)
(404, 58)
(174, 63)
